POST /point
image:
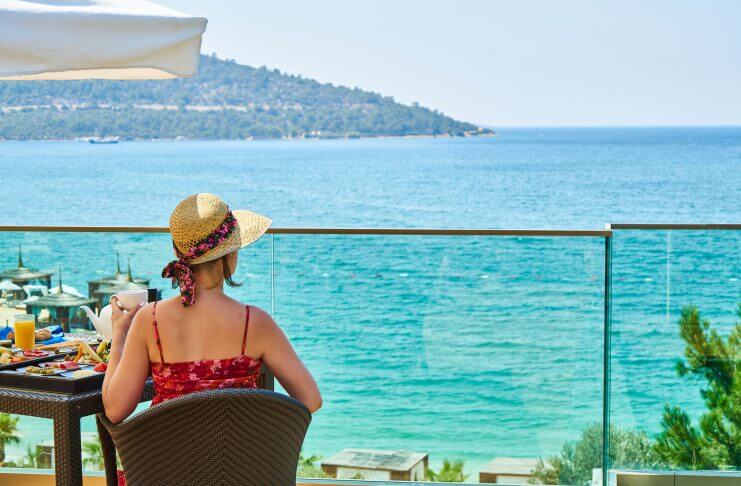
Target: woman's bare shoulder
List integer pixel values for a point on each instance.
(168, 303)
(260, 317)
(162, 308)
(262, 322)
(143, 320)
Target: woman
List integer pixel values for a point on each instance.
(203, 339)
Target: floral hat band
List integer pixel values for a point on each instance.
(180, 271)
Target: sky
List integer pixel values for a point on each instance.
(503, 63)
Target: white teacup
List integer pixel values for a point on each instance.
(129, 299)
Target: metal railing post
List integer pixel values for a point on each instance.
(272, 274)
(606, 350)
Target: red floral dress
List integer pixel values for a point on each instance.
(175, 379)
(172, 380)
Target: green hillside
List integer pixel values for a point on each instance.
(224, 101)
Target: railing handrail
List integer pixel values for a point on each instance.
(607, 232)
(673, 226)
(327, 231)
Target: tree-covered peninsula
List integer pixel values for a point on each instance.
(225, 100)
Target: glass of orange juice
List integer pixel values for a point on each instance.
(24, 330)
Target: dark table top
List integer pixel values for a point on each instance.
(50, 404)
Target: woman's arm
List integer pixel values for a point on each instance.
(282, 360)
(128, 364)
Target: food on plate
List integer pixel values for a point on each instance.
(63, 365)
(86, 355)
(38, 370)
(101, 367)
(8, 356)
(43, 335)
(72, 344)
(83, 374)
(67, 350)
(104, 350)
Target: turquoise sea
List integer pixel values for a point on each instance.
(464, 347)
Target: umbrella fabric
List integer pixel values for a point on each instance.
(67, 289)
(9, 285)
(31, 288)
(102, 39)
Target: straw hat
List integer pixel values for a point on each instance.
(197, 216)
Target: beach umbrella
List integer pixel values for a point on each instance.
(35, 289)
(66, 289)
(97, 39)
(9, 285)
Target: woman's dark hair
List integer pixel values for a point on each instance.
(213, 266)
(228, 273)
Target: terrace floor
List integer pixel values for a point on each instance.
(45, 477)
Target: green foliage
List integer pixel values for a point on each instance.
(92, 457)
(9, 433)
(450, 472)
(30, 461)
(32, 458)
(716, 443)
(628, 449)
(252, 103)
(308, 467)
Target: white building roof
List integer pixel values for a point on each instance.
(376, 459)
(517, 466)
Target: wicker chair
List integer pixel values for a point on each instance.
(216, 437)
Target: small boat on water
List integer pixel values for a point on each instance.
(102, 140)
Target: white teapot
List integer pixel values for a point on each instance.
(102, 322)
(128, 299)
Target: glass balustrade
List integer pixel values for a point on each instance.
(662, 278)
(466, 348)
(485, 350)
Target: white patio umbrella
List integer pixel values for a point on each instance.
(9, 285)
(30, 289)
(66, 289)
(96, 39)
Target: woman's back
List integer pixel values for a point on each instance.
(212, 328)
(201, 365)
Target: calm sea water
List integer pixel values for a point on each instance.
(471, 347)
(556, 178)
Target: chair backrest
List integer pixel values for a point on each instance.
(216, 437)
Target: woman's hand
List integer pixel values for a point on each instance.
(120, 320)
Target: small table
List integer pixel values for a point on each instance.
(66, 410)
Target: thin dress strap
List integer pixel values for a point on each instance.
(246, 323)
(156, 331)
